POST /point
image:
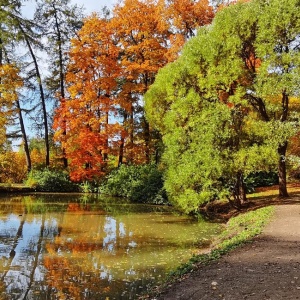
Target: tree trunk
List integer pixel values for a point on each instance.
(36, 258)
(105, 154)
(16, 240)
(239, 192)
(43, 102)
(282, 170)
(26, 147)
(121, 152)
(61, 79)
(147, 140)
(121, 149)
(1, 53)
(24, 136)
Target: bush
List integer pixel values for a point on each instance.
(89, 187)
(139, 183)
(260, 179)
(50, 181)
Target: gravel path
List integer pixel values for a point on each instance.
(267, 268)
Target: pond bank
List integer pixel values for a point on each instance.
(266, 268)
(15, 188)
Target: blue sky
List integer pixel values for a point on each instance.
(94, 5)
(89, 5)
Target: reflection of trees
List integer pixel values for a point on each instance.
(75, 250)
(36, 257)
(22, 232)
(82, 266)
(8, 204)
(12, 251)
(69, 280)
(70, 275)
(101, 261)
(34, 205)
(73, 265)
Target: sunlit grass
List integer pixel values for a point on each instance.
(238, 231)
(267, 193)
(243, 227)
(272, 191)
(18, 185)
(13, 187)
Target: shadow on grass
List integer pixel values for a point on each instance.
(222, 211)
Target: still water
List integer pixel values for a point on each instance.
(84, 247)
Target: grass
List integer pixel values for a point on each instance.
(243, 227)
(14, 188)
(293, 189)
(239, 230)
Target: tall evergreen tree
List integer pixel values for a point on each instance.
(58, 23)
(10, 36)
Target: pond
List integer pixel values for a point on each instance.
(86, 247)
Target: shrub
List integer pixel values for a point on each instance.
(139, 183)
(260, 179)
(51, 181)
(88, 187)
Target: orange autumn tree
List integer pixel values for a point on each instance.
(142, 37)
(113, 63)
(92, 83)
(150, 34)
(183, 17)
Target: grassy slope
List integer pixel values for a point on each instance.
(242, 226)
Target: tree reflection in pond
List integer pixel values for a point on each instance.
(60, 247)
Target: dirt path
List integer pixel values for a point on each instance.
(267, 268)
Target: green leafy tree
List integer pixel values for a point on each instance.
(223, 106)
(260, 62)
(139, 183)
(278, 46)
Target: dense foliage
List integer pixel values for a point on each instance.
(141, 183)
(227, 107)
(216, 111)
(113, 61)
(12, 167)
(260, 179)
(51, 181)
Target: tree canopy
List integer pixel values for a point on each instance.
(213, 90)
(224, 107)
(113, 61)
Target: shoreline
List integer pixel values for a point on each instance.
(266, 268)
(239, 231)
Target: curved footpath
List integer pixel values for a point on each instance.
(267, 268)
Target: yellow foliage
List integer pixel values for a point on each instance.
(10, 83)
(13, 167)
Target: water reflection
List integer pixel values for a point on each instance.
(66, 247)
